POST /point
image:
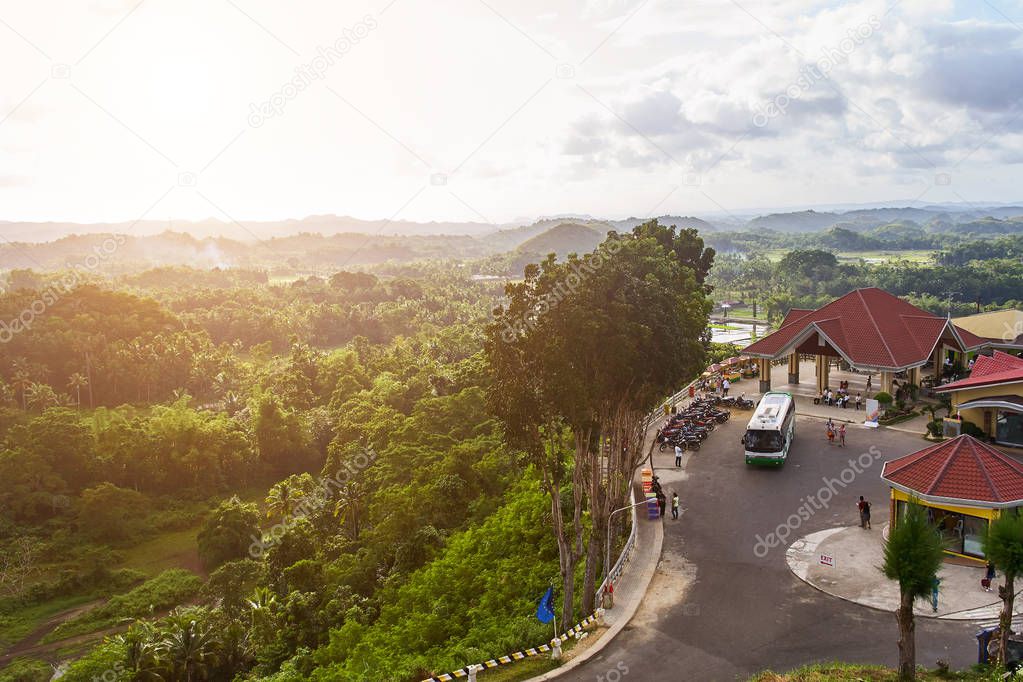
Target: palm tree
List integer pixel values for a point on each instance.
(40, 394)
(349, 507)
(189, 650)
(142, 651)
(22, 379)
(912, 556)
(75, 383)
(1003, 546)
(285, 495)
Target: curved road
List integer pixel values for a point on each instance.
(717, 611)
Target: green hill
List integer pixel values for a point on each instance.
(562, 240)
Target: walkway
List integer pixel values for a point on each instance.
(631, 587)
(855, 576)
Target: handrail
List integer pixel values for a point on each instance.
(630, 544)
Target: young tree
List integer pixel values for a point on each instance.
(228, 533)
(1003, 546)
(912, 557)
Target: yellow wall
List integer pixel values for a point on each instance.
(976, 415)
(979, 512)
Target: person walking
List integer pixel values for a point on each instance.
(841, 435)
(989, 577)
(674, 505)
(725, 385)
(868, 383)
(662, 501)
(678, 456)
(934, 593)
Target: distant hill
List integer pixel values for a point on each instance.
(681, 222)
(563, 239)
(244, 230)
(801, 221)
(511, 239)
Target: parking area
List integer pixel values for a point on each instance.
(724, 603)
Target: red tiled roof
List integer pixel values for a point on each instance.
(871, 327)
(997, 369)
(959, 469)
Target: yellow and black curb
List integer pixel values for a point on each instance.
(517, 656)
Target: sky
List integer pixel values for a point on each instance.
(501, 110)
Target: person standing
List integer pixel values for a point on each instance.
(725, 385)
(864, 508)
(678, 456)
(869, 376)
(989, 576)
(674, 505)
(841, 435)
(662, 501)
(934, 593)
(859, 400)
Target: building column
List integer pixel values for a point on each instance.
(819, 371)
(794, 368)
(765, 375)
(886, 382)
(939, 357)
(914, 376)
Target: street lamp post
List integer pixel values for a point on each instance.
(607, 547)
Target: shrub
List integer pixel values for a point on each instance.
(169, 589)
(971, 429)
(26, 670)
(885, 399)
(936, 427)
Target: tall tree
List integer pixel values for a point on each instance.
(1003, 546)
(912, 557)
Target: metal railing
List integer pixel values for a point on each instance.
(630, 544)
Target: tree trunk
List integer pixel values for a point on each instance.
(1007, 593)
(598, 527)
(907, 638)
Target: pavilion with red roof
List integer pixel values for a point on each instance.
(991, 397)
(872, 330)
(964, 484)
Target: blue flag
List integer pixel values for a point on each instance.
(545, 611)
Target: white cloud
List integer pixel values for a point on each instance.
(475, 91)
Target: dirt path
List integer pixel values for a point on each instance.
(30, 643)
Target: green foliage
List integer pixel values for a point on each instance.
(476, 600)
(26, 670)
(111, 514)
(170, 588)
(884, 398)
(1003, 544)
(913, 553)
(970, 429)
(229, 533)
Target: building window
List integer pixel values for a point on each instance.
(1009, 428)
(960, 533)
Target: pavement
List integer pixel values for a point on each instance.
(856, 577)
(723, 603)
(632, 586)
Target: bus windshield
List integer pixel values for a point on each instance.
(764, 441)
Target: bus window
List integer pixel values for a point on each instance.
(764, 441)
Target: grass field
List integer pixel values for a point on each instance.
(175, 549)
(20, 623)
(920, 256)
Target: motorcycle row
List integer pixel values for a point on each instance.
(691, 426)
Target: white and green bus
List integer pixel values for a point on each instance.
(770, 430)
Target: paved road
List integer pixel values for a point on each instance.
(716, 611)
